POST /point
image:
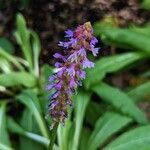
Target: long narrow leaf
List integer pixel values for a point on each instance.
(4, 137)
(105, 127)
(110, 64)
(23, 38)
(140, 92)
(124, 38)
(36, 47)
(16, 128)
(17, 78)
(10, 58)
(121, 101)
(29, 99)
(81, 102)
(136, 139)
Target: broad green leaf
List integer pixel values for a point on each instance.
(4, 137)
(105, 127)
(36, 47)
(10, 58)
(30, 100)
(29, 124)
(136, 139)
(94, 110)
(144, 30)
(5, 65)
(6, 45)
(23, 38)
(110, 64)
(120, 101)
(5, 147)
(84, 138)
(16, 128)
(140, 92)
(124, 38)
(81, 102)
(146, 4)
(17, 78)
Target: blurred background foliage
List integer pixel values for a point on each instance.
(112, 109)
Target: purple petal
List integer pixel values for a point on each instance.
(58, 86)
(52, 78)
(72, 83)
(58, 64)
(95, 51)
(93, 41)
(49, 87)
(82, 52)
(70, 70)
(73, 42)
(82, 74)
(55, 95)
(69, 33)
(73, 57)
(53, 103)
(87, 64)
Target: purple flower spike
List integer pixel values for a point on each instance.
(70, 71)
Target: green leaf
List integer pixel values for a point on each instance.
(29, 124)
(5, 65)
(36, 47)
(10, 58)
(110, 64)
(23, 38)
(16, 128)
(105, 127)
(146, 4)
(30, 100)
(120, 101)
(123, 38)
(94, 110)
(6, 45)
(5, 147)
(136, 139)
(140, 92)
(84, 138)
(4, 137)
(81, 102)
(17, 78)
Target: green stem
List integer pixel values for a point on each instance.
(53, 136)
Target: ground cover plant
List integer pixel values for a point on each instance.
(107, 112)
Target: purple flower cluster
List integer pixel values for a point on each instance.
(70, 67)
